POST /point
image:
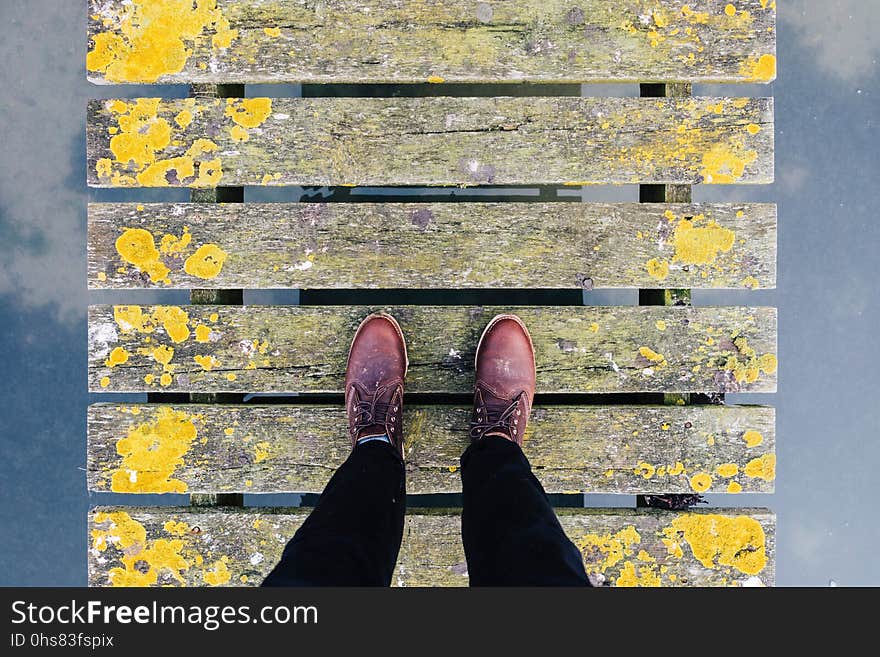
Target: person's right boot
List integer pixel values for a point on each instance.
(377, 364)
(505, 381)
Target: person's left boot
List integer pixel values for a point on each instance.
(377, 364)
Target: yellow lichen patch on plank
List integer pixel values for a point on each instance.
(152, 451)
(645, 576)
(172, 245)
(658, 269)
(701, 482)
(727, 470)
(700, 245)
(240, 134)
(203, 333)
(142, 135)
(218, 574)
(207, 363)
(261, 451)
(752, 438)
(725, 163)
(206, 262)
(272, 31)
(734, 487)
(163, 354)
(762, 69)
(746, 366)
(717, 540)
(119, 356)
(249, 112)
(763, 467)
(155, 38)
(137, 247)
(613, 548)
(174, 320)
(645, 470)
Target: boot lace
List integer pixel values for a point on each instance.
(372, 410)
(492, 419)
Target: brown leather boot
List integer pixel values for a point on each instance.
(377, 365)
(505, 385)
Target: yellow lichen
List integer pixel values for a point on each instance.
(750, 282)
(165, 380)
(762, 69)
(734, 488)
(163, 354)
(727, 470)
(768, 363)
(154, 39)
(207, 362)
(763, 467)
(613, 548)
(172, 245)
(725, 164)
(119, 356)
(730, 10)
(717, 540)
(676, 469)
(231, 377)
(105, 381)
(151, 452)
(272, 31)
(261, 451)
(651, 355)
(752, 438)
(647, 576)
(701, 482)
(218, 574)
(183, 118)
(660, 325)
(658, 269)
(142, 560)
(206, 262)
(240, 134)
(174, 320)
(136, 246)
(645, 470)
(435, 79)
(700, 245)
(249, 112)
(203, 333)
(753, 128)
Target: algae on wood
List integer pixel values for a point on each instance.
(238, 547)
(304, 349)
(443, 245)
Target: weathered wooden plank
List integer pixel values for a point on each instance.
(238, 547)
(304, 349)
(418, 41)
(295, 449)
(436, 245)
(428, 141)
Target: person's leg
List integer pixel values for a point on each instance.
(510, 533)
(352, 537)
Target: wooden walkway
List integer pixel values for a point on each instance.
(623, 392)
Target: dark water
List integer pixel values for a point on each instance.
(826, 140)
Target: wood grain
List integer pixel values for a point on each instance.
(439, 245)
(286, 448)
(429, 141)
(238, 547)
(455, 40)
(304, 349)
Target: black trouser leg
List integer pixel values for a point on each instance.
(511, 534)
(353, 535)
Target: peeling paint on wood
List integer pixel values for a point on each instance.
(295, 449)
(429, 141)
(439, 245)
(384, 41)
(304, 349)
(238, 547)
